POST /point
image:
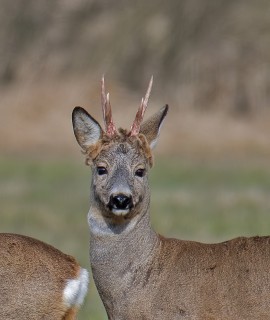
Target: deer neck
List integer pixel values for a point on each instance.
(115, 247)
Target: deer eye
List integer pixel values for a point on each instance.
(140, 173)
(101, 171)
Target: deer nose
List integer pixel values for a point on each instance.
(121, 202)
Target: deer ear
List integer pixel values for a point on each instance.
(151, 127)
(86, 129)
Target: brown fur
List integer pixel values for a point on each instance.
(33, 276)
(71, 314)
(121, 136)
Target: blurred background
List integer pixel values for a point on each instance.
(210, 60)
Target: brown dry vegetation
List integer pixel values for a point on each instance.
(210, 62)
(36, 119)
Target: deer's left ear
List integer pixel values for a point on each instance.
(151, 127)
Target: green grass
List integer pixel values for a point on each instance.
(206, 202)
(211, 202)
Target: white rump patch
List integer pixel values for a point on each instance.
(76, 289)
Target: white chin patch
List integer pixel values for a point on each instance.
(119, 212)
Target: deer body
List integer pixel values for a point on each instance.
(38, 281)
(183, 280)
(141, 275)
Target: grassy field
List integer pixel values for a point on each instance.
(48, 199)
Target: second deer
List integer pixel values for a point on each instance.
(140, 274)
(38, 281)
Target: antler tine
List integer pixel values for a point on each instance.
(103, 100)
(135, 128)
(147, 95)
(107, 110)
(111, 130)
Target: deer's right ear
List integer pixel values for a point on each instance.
(86, 129)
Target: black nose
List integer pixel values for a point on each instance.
(120, 202)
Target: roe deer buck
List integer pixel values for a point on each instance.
(140, 274)
(38, 281)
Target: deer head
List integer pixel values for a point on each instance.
(120, 159)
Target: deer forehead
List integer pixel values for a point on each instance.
(130, 150)
(122, 154)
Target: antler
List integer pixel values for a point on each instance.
(135, 128)
(107, 111)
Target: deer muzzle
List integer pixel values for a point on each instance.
(120, 204)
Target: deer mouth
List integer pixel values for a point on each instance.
(119, 213)
(120, 204)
